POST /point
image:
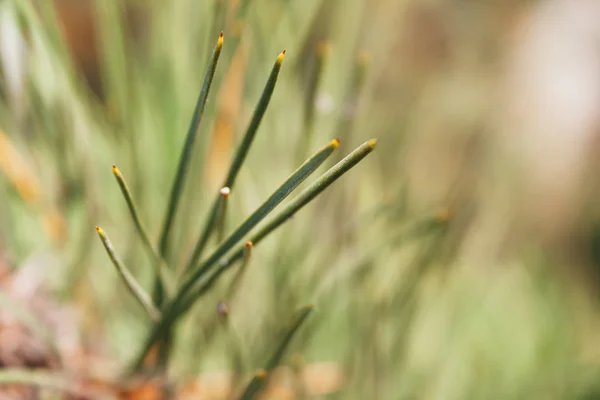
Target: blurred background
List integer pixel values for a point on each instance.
(459, 261)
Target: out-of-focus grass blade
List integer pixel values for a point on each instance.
(322, 50)
(258, 382)
(187, 150)
(299, 319)
(238, 160)
(134, 287)
(347, 121)
(165, 281)
(277, 197)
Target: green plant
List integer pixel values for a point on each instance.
(409, 306)
(165, 309)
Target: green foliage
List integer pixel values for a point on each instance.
(402, 310)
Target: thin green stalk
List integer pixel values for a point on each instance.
(134, 287)
(258, 382)
(259, 214)
(158, 263)
(294, 206)
(184, 161)
(238, 160)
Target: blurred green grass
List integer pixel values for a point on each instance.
(395, 302)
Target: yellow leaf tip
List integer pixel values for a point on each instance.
(281, 56)
(372, 143)
(220, 41)
(335, 142)
(115, 170)
(249, 244)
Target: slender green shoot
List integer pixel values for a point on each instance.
(258, 382)
(222, 218)
(184, 161)
(159, 264)
(259, 214)
(238, 160)
(134, 287)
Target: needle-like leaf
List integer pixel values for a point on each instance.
(258, 382)
(159, 264)
(134, 287)
(186, 153)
